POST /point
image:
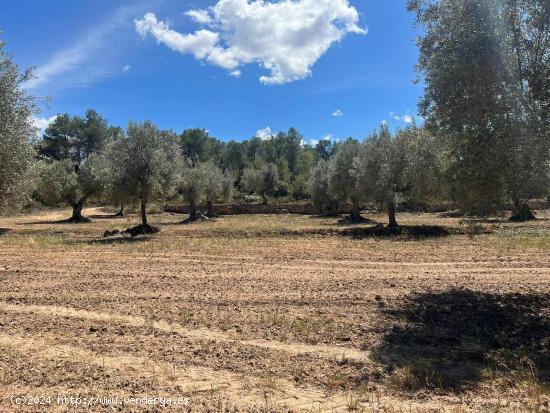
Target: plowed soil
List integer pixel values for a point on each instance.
(275, 313)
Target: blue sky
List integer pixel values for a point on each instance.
(339, 76)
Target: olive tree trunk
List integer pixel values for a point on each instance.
(193, 211)
(144, 228)
(77, 210)
(355, 214)
(120, 212)
(144, 214)
(210, 209)
(391, 215)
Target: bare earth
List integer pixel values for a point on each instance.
(274, 313)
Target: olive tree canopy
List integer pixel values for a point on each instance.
(60, 183)
(263, 180)
(343, 183)
(319, 191)
(486, 70)
(16, 133)
(147, 163)
(395, 167)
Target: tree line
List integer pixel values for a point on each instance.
(485, 142)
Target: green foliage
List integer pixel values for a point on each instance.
(119, 190)
(382, 167)
(197, 145)
(408, 165)
(219, 185)
(343, 183)
(60, 182)
(324, 149)
(263, 181)
(195, 185)
(76, 138)
(318, 188)
(485, 68)
(146, 163)
(16, 133)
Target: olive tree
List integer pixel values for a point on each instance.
(343, 183)
(118, 190)
(203, 183)
(148, 165)
(61, 183)
(381, 170)
(218, 186)
(484, 64)
(263, 181)
(192, 186)
(16, 133)
(319, 191)
(392, 168)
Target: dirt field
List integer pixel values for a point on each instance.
(274, 313)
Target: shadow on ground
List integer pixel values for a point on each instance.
(456, 338)
(407, 232)
(85, 220)
(118, 240)
(106, 216)
(4, 231)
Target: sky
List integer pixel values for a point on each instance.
(238, 68)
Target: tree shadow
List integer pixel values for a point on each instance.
(414, 232)
(456, 338)
(4, 231)
(85, 220)
(118, 240)
(107, 216)
(347, 220)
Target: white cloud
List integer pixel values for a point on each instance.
(42, 123)
(406, 118)
(126, 68)
(264, 134)
(200, 43)
(199, 16)
(286, 37)
(337, 113)
(235, 73)
(327, 137)
(384, 122)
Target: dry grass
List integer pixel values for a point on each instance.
(277, 313)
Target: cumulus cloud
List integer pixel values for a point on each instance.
(264, 134)
(407, 119)
(200, 44)
(286, 38)
(337, 113)
(40, 124)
